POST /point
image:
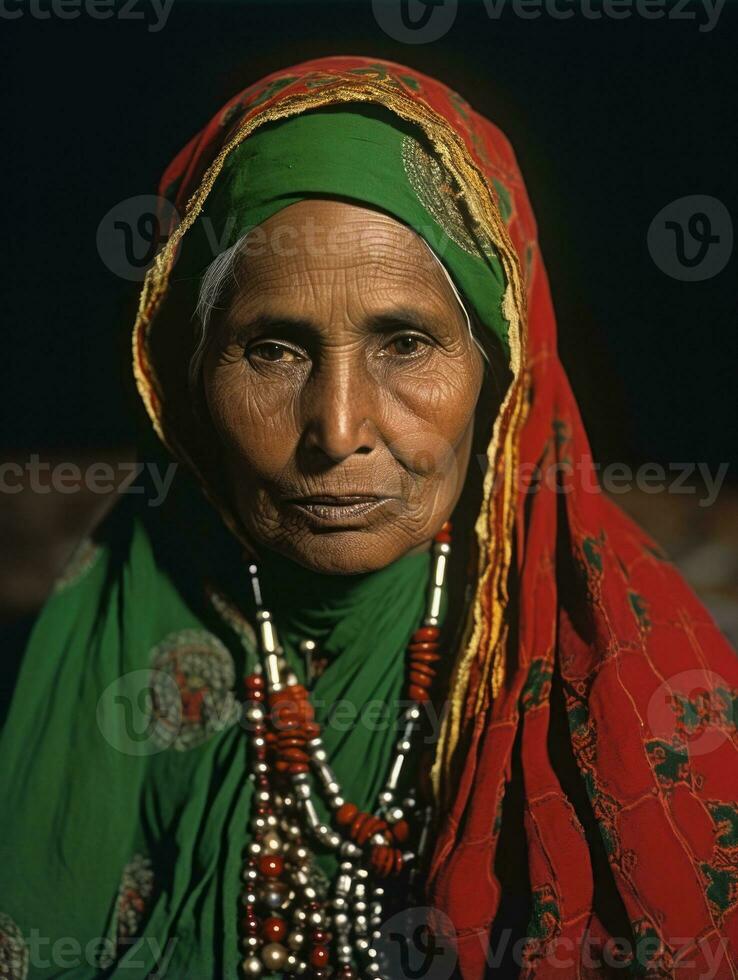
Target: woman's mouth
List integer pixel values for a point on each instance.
(346, 510)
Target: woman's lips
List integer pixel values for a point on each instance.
(347, 510)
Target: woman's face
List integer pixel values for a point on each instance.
(342, 381)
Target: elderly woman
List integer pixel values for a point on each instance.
(387, 647)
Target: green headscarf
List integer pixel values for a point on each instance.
(363, 157)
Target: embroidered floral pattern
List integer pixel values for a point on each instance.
(592, 554)
(136, 888)
(720, 874)
(544, 924)
(435, 193)
(192, 689)
(653, 958)
(538, 685)
(132, 906)
(640, 610)
(721, 887)
(670, 762)
(13, 950)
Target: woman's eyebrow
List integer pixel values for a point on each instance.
(405, 318)
(285, 325)
(401, 316)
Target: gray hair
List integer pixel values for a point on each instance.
(219, 276)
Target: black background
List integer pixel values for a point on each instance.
(611, 120)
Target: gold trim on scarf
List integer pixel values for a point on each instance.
(479, 669)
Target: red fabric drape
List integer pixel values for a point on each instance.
(648, 682)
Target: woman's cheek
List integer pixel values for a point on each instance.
(442, 398)
(432, 429)
(253, 419)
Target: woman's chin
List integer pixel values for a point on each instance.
(343, 552)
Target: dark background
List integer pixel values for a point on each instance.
(611, 120)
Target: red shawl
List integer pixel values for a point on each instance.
(575, 608)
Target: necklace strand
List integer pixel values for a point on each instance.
(288, 923)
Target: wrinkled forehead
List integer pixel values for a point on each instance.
(325, 245)
(334, 230)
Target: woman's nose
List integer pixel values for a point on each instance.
(338, 413)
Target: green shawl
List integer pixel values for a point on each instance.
(124, 756)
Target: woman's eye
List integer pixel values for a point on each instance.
(406, 345)
(273, 352)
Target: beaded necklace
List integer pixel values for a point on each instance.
(286, 925)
